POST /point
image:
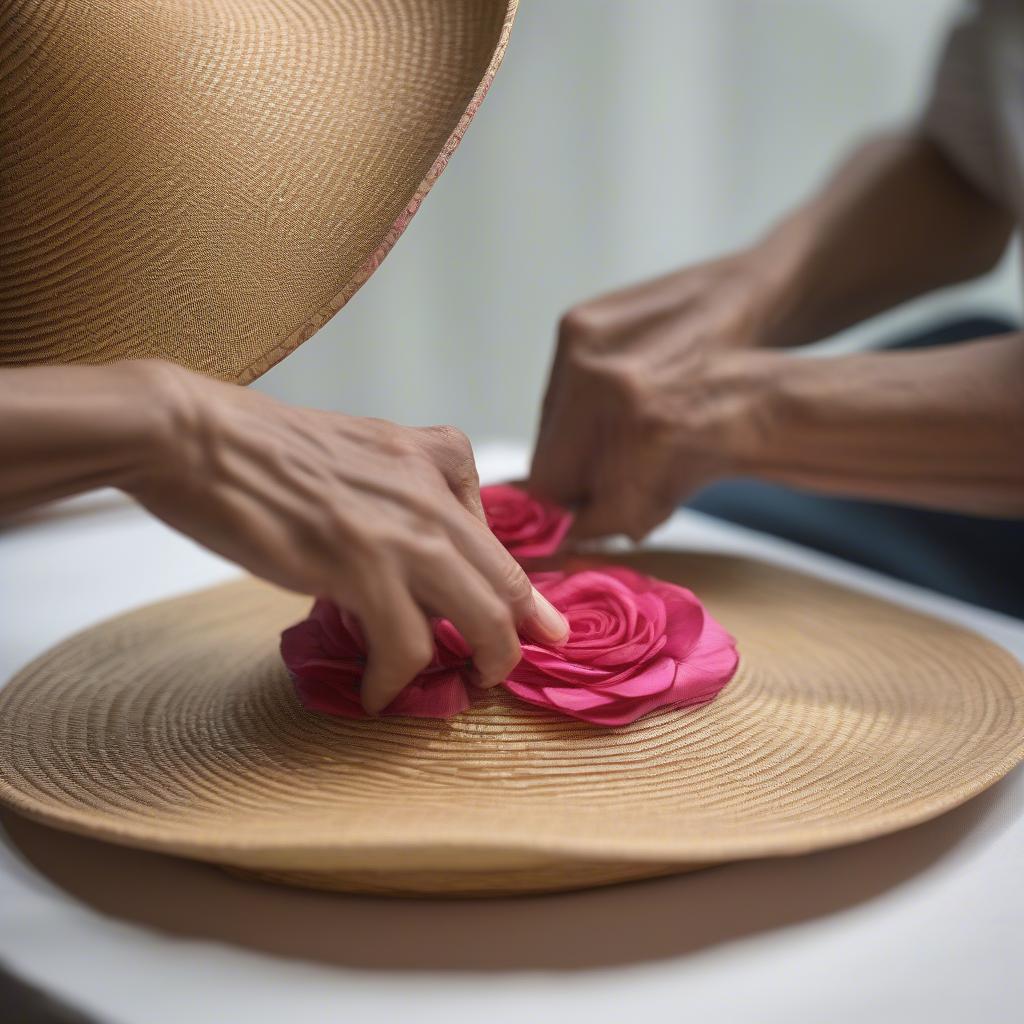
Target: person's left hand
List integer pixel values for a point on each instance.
(645, 403)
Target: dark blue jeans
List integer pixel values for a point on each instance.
(976, 559)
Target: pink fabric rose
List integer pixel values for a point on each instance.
(326, 655)
(527, 526)
(635, 644)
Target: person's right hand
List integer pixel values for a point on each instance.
(384, 520)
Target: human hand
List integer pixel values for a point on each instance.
(637, 414)
(384, 520)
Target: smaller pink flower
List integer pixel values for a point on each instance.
(635, 644)
(527, 526)
(326, 656)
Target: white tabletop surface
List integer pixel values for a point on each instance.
(922, 926)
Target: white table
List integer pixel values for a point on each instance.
(925, 925)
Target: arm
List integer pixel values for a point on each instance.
(897, 220)
(66, 430)
(940, 427)
(383, 519)
(672, 377)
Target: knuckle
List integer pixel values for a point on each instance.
(415, 654)
(497, 626)
(431, 548)
(501, 654)
(579, 325)
(516, 585)
(405, 656)
(452, 440)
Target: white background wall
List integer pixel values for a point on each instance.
(620, 139)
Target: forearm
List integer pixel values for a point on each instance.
(677, 377)
(942, 428)
(895, 221)
(66, 430)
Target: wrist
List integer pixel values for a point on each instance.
(163, 416)
(744, 421)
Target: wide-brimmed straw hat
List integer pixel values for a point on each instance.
(209, 182)
(176, 728)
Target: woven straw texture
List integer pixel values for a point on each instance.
(175, 728)
(210, 181)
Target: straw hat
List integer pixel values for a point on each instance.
(210, 182)
(176, 728)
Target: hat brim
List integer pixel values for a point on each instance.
(176, 728)
(228, 174)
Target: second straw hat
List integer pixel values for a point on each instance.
(209, 182)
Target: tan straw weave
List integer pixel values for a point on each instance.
(175, 728)
(209, 181)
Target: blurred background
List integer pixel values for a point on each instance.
(619, 140)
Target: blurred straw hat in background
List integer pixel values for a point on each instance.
(209, 182)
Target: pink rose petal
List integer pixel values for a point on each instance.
(635, 644)
(657, 677)
(326, 656)
(527, 526)
(567, 698)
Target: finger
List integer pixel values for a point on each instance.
(452, 453)
(558, 465)
(547, 624)
(530, 610)
(601, 516)
(629, 497)
(567, 445)
(456, 591)
(399, 642)
(607, 516)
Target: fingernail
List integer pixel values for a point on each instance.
(550, 622)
